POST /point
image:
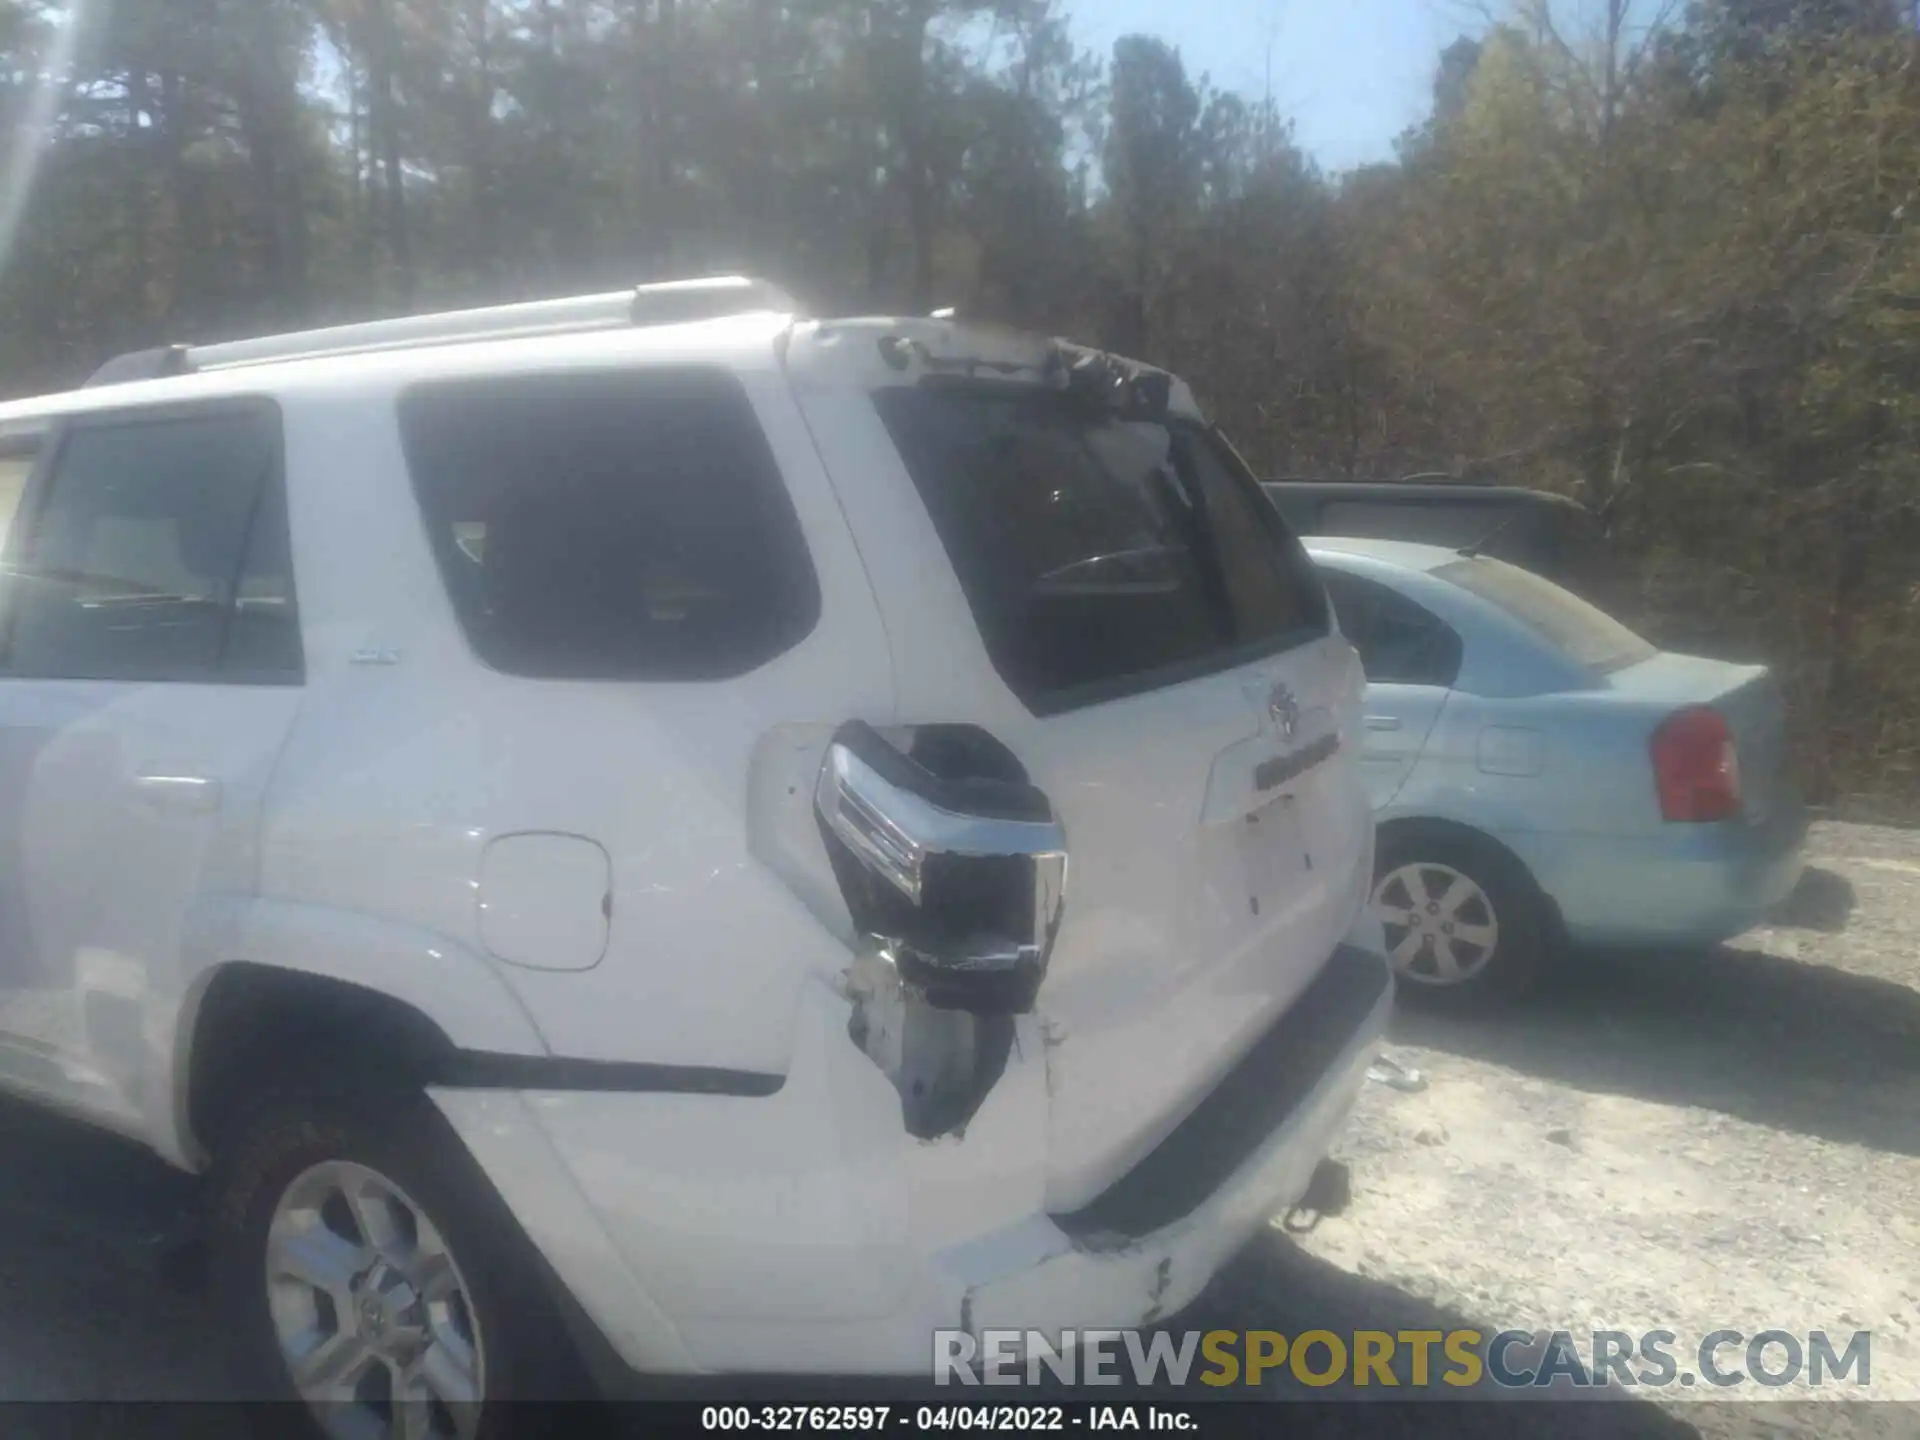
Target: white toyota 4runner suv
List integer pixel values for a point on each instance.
(651, 822)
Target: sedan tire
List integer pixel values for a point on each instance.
(1462, 918)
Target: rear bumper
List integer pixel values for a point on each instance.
(1150, 1243)
(1686, 884)
(786, 1235)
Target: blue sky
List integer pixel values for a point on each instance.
(1353, 74)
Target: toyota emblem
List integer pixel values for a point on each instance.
(1285, 711)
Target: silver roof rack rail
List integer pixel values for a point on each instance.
(669, 303)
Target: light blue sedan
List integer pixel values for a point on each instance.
(1540, 773)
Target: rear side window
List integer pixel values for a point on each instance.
(159, 551)
(1400, 642)
(1100, 556)
(627, 525)
(1588, 636)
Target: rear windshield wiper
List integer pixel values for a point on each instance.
(1118, 572)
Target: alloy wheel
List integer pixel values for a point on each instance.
(1441, 929)
(372, 1314)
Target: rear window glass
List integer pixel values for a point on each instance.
(620, 526)
(17, 458)
(1589, 636)
(1101, 556)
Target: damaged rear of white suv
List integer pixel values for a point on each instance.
(784, 835)
(1103, 874)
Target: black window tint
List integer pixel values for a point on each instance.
(152, 540)
(629, 525)
(1271, 585)
(1400, 642)
(1100, 556)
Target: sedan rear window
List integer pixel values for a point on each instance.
(1587, 635)
(1101, 556)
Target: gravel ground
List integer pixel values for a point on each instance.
(1686, 1142)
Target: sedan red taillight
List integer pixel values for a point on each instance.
(1696, 767)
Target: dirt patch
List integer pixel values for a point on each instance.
(1688, 1142)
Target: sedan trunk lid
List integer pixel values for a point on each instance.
(1751, 701)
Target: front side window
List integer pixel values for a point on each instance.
(1101, 556)
(1400, 642)
(158, 551)
(627, 525)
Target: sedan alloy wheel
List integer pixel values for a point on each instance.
(1441, 927)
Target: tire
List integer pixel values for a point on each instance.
(1481, 925)
(479, 1332)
